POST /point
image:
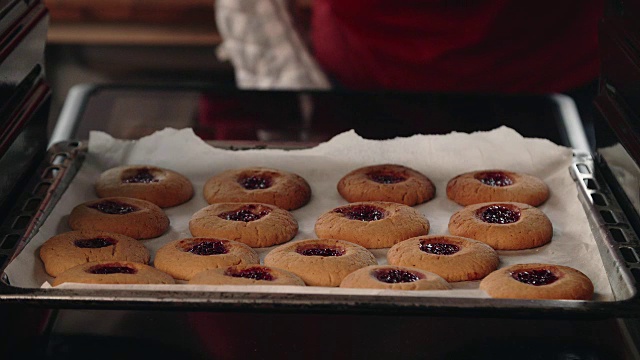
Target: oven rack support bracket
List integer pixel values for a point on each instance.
(617, 240)
(42, 190)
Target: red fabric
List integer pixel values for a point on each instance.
(503, 46)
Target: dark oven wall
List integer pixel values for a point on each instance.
(24, 94)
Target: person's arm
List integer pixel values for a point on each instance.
(261, 41)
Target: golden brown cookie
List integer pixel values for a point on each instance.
(320, 262)
(538, 281)
(257, 225)
(497, 185)
(162, 187)
(387, 182)
(394, 278)
(262, 185)
(66, 250)
(372, 224)
(139, 219)
(247, 275)
(503, 225)
(113, 272)
(452, 257)
(184, 258)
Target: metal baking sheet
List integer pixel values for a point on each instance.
(65, 159)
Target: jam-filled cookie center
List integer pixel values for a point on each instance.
(394, 276)
(206, 248)
(499, 214)
(256, 182)
(246, 213)
(139, 176)
(438, 248)
(255, 273)
(107, 269)
(95, 243)
(494, 178)
(114, 207)
(320, 250)
(535, 277)
(386, 177)
(361, 212)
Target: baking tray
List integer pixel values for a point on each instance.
(618, 244)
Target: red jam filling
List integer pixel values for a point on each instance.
(95, 243)
(439, 248)
(113, 207)
(535, 277)
(246, 213)
(319, 250)
(497, 214)
(393, 276)
(255, 273)
(494, 179)
(386, 177)
(142, 176)
(256, 182)
(206, 248)
(106, 269)
(361, 212)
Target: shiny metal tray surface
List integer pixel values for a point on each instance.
(618, 244)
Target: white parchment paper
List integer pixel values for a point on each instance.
(440, 157)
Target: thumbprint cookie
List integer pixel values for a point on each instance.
(497, 185)
(139, 219)
(184, 258)
(394, 278)
(64, 251)
(262, 185)
(257, 225)
(162, 187)
(452, 257)
(113, 272)
(538, 281)
(247, 275)
(387, 182)
(503, 225)
(320, 262)
(373, 224)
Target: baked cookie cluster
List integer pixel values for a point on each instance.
(131, 201)
(500, 211)
(251, 208)
(130, 208)
(104, 246)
